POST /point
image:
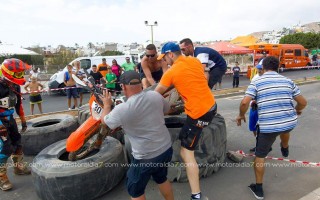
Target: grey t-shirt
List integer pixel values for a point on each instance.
(142, 119)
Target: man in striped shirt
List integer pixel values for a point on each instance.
(274, 95)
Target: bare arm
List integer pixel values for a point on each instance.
(206, 73)
(26, 87)
(161, 89)
(41, 86)
(147, 72)
(64, 79)
(301, 104)
(244, 105)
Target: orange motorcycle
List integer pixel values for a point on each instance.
(90, 135)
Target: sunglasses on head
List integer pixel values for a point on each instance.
(151, 55)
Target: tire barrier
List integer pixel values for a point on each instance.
(210, 152)
(55, 178)
(46, 130)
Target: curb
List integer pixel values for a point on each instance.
(243, 89)
(314, 195)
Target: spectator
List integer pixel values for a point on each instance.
(200, 105)
(277, 115)
(128, 65)
(96, 74)
(103, 67)
(70, 84)
(315, 60)
(139, 67)
(142, 119)
(152, 69)
(236, 74)
(81, 75)
(213, 63)
(111, 79)
(34, 72)
(34, 87)
(117, 70)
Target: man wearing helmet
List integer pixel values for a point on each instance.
(10, 138)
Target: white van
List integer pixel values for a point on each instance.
(56, 80)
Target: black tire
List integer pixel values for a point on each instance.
(46, 130)
(210, 152)
(89, 178)
(62, 92)
(83, 113)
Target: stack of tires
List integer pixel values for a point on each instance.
(56, 178)
(210, 152)
(46, 130)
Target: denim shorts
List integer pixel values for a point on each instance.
(141, 171)
(72, 92)
(192, 129)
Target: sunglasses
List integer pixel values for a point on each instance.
(151, 55)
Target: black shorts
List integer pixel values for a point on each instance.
(215, 76)
(191, 130)
(264, 142)
(155, 75)
(140, 172)
(35, 99)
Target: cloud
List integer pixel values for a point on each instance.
(78, 21)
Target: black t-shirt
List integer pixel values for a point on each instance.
(236, 71)
(97, 76)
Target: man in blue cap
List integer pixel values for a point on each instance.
(186, 74)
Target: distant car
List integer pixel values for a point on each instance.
(56, 80)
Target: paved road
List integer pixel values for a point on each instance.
(281, 182)
(52, 103)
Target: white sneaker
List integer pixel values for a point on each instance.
(69, 108)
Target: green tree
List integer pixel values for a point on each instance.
(308, 40)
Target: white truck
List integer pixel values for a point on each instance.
(56, 80)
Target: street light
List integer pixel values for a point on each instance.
(151, 25)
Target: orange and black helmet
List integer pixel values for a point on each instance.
(13, 69)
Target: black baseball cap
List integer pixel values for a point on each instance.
(130, 78)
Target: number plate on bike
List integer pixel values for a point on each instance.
(96, 110)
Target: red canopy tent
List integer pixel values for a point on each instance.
(228, 48)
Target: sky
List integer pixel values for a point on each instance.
(53, 22)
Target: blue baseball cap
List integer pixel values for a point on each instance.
(259, 66)
(168, 47)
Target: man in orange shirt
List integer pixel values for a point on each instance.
(186, 74)
(103, 67)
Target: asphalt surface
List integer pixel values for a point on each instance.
(282, 180)
(56, 102)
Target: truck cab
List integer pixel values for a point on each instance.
(290, 55)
